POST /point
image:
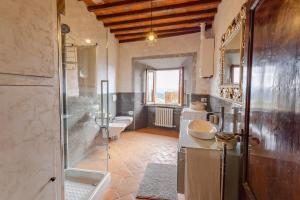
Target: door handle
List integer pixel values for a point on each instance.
(52, 179)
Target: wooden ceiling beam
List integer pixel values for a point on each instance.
(115, 4)
(143, 32)
(179, 26)
(207, 4)
(209, 19)
(162, 21)
(144, 35)
(147, 19)
(159, 36)
(134, 16)
(131, 5)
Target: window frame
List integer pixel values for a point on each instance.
(148, 71)
(180, 87)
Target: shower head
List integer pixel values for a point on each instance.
(65, 28)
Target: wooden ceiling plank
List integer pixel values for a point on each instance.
(146, 19)
(114, 4)
(210, 19)
(131, 6)
(160, 36)
(161, 28)
(159, 31)
(162, 21)
(207, 4)
(144, 33)
(134, 16)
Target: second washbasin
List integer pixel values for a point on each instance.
(202, 129)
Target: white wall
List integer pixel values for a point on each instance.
(174, 45)
(29, 99)
(113, 59)
(227, 11)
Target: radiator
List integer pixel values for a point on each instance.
(164, 117)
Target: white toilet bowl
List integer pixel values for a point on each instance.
(124, 119)
(118, 125)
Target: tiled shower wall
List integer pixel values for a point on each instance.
(140, 111)
(144, 116)
(81, 124)
(215, 106)
(125, 104)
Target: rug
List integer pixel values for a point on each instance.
(159, 182)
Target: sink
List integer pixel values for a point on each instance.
(202, 129)
(197, 106)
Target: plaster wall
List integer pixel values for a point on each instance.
(29, 98)
(167, 46)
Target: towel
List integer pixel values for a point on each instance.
(202, 174)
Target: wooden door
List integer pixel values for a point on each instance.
(272, 161)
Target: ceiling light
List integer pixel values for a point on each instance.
(151, 36)
(88, 41)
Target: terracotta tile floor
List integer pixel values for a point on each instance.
(129, 157)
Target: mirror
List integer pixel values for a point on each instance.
(232, 59)
(232, 55)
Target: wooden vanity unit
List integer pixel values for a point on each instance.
(232, 170)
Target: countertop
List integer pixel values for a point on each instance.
(232, 169)
(187, 141)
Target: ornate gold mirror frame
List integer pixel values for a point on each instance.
(233, 91)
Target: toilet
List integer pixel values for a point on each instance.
(118, 125)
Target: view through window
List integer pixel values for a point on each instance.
(164, 86)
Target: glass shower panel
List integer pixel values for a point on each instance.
(86, 146)
(85, 140)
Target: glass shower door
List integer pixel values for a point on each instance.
(85, 143)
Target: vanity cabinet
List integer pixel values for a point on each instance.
(201, 152)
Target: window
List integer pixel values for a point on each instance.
(164, 87)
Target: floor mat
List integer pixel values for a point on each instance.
(159, 182)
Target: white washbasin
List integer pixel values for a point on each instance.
(202, 129)
(197, 105)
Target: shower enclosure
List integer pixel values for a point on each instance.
(85, 122)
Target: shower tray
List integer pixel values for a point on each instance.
(85, 184)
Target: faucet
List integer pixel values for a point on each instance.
(111, 117)
(222, 119)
